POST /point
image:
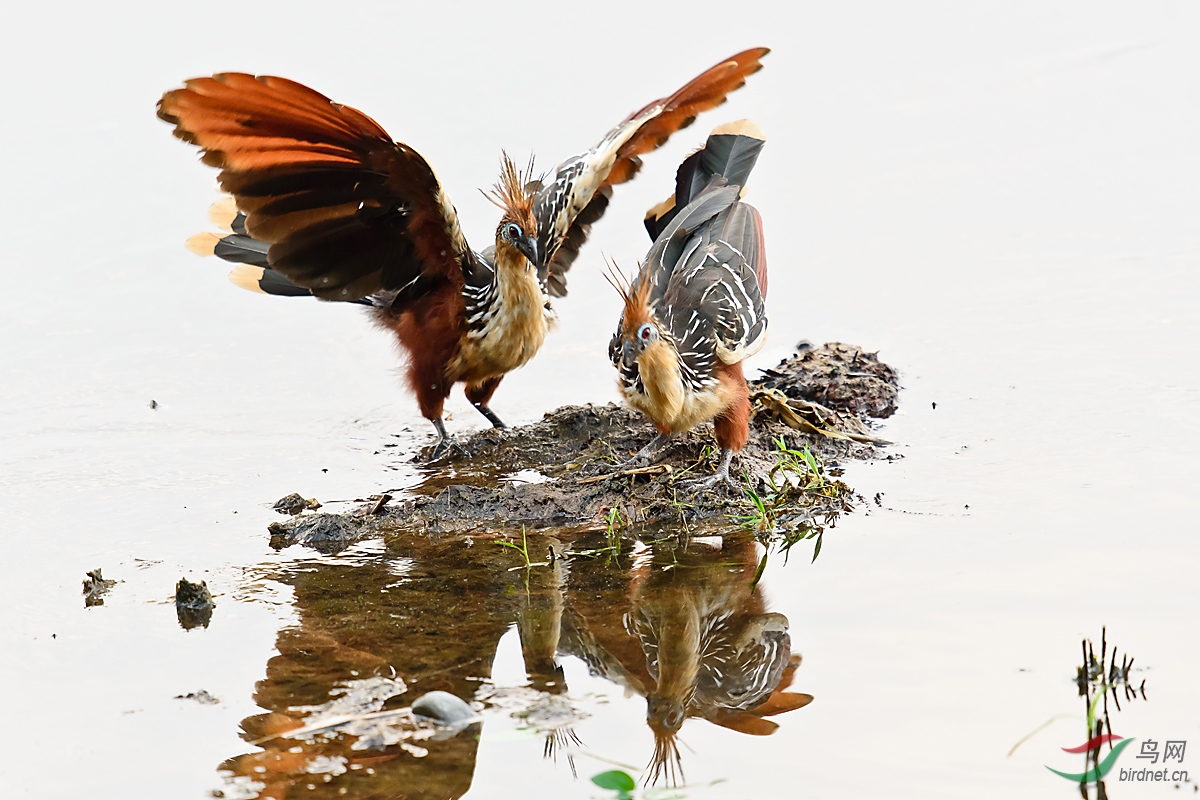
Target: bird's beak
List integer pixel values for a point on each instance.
(529, 248)
(627, 354)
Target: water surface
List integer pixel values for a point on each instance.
(1001, 198)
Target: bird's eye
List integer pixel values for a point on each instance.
(513, 230)
(646, 332)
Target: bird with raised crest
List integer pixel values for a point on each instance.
(326, 204)
(696, 309)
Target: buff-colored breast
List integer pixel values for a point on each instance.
(513, 334)
(666, 399)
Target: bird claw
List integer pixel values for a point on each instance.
(698, 485)
(446, 442)
(647, 455)
(633, 463)
(443, 448)
(721, 475)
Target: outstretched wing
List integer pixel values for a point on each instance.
(576, 196)
(346, 211)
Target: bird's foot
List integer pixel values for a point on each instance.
(648, 454)
(698, 485)
(444, 447)
(490, 416)
(721, 475)
(445, 444)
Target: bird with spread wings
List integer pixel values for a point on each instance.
(325, 203)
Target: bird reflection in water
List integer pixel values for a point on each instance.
(679, 625)
(695, 639)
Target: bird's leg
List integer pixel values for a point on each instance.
(446, 442)
(721, 475)
(650, 453)
(480, 394)
(490, 415)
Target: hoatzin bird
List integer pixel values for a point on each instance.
(695, 310)
(327, 204)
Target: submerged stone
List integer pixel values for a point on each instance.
(444, 707)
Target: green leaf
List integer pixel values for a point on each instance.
(758, 572)
(615, 779)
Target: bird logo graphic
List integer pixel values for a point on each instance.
(1103, 766)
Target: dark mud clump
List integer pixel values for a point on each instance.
(202, 697)
(95, 586)
(193, 604)
(565, 470)
(839, 376)
(325, 533)
(294, 504)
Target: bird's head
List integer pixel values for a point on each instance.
(640, 330)
(665, 718)
(514, 193)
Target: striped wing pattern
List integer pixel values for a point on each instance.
(705, 291)
(712, 305)
(346, 211)
(739, 661)
(741, 664)
(577, 195)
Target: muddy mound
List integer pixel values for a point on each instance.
(565, 470)
(839, 376)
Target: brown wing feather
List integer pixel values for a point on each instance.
(346, 210)
(674, 112)
(706, 91)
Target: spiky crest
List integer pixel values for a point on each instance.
(514, 193)
(666, 762)
(636, 295)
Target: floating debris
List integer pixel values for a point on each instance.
(380, 502)
(355, 697)
(357, 711)
(95, 586)
(202, 697)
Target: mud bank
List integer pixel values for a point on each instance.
(565, 470)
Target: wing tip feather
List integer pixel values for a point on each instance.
(248, 277)
(222, 213)
(741, 127)
(203, 244)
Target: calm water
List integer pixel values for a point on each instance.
(1002, 200)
